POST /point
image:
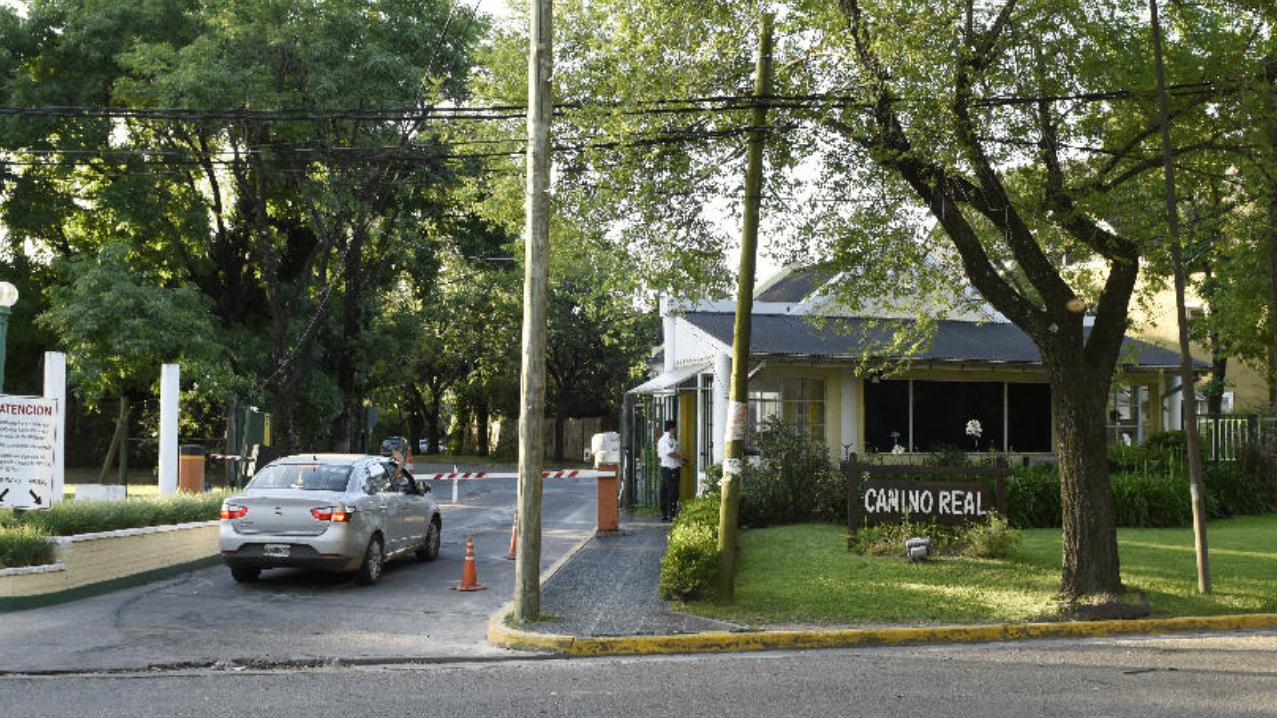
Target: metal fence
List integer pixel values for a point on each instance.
(1224, 436)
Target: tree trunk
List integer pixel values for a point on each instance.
(482, 418)
(559, 421)
(416, 419)
(346, 426)
(113, 446)
(1270, 133)
(124, 439)
(1090, 561)
(432, 423)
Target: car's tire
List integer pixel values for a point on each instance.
(374, 561)
(245, 574)
(429, 550)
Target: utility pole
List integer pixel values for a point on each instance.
(738, 398)
(527, 566)
(1186, 379)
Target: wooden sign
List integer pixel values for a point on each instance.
(872, 500)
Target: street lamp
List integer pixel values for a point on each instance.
(8, 297)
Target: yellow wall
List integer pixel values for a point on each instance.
(687, 445)
(1153, 320)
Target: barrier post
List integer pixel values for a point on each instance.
(607, 513)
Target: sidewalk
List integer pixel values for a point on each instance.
(609, 588)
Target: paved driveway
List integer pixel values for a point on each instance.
(204, 616)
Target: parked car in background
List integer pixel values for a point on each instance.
(332, 512)
(391, 444)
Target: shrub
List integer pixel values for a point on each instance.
(794, 481)
(690, 564)
(25, 546)
(1236, 491)
(994, 538)
(1033, 497)
(75, 517)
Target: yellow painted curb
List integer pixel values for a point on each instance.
(505, 636)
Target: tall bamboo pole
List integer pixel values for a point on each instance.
(527, 566)
(1186, 378)
(737, 406)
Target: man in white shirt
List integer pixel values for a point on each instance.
(671, 460)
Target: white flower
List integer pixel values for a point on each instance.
(897, 449)
(974, 429)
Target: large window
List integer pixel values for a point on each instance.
(797, 402)
(943, 409)
(1012, 416)
(886, 414)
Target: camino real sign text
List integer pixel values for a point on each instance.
(945, 502)
(877, 493)
(28, 427)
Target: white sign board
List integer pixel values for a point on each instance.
(28, 429)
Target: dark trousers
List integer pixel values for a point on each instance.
(669, 492)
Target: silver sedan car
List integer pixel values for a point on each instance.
(333, 512)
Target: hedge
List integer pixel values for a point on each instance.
(24, 536)
(690, 565)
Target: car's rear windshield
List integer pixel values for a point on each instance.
(305, 477)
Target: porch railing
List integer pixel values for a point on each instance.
(1224, 436)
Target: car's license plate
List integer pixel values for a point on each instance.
(276, 550)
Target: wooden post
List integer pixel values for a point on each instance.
(1188, 392)
(737, 406)
(851, 470)
(527, 565)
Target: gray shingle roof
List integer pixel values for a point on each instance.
(781, 335)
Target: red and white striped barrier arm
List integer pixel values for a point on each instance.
(552, 474)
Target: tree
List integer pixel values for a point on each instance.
(1021, 130)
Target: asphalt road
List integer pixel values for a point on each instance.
(204, 616)
(1227, 675)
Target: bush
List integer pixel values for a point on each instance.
(1236, 491)
(74, 517)
(793, 482)
(1033, 497)
(25, 546)
(690, 565)
(994, 538)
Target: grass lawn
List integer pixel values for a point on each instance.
(804, 575)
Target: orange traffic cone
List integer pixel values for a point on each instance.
(469, 576)
(514, 537)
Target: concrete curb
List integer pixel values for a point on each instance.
(501, 634)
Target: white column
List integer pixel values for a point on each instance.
(170, 386)
(722, 384)
(852, 396)
(1175, 413)
(55, 387)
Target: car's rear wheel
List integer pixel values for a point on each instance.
(374, 559)
(245, 574)
(429, 550)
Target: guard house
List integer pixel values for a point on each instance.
(807, 367)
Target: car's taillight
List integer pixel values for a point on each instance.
(233, 511)
(336, 514)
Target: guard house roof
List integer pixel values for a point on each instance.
(854, 337)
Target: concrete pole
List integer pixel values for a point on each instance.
(527, 565)
(55, 387)
(170, 386)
